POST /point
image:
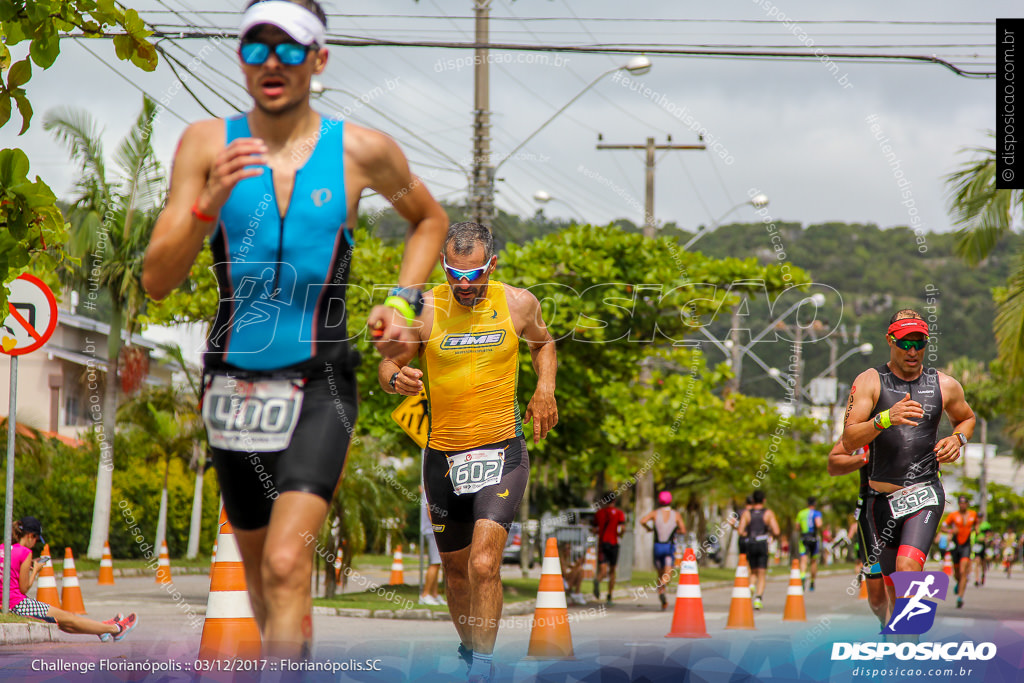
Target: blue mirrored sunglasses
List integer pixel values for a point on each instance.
(467, 275)
(907, 344)
(289, 54)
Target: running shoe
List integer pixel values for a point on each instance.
(609, 602)
(107, 637)
(429, 600)
(440, 600)
(757, 603)
(664, 602)
(812, 586)
(126, 625)
(959, 602)
(467, 656)
(957, 589)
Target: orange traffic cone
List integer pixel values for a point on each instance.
(46, 586)
(106, 567)
(550, 637)
(688, 618)
(337, 569)
(163, 569)
(795, 610)
(71, 592)
(397, 575)
(863, 587)
(230, 631)
(741, 609)
(589, 563)
(947, 564)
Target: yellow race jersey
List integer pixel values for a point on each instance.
(471, 367)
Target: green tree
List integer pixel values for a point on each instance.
(29, 218)
(985, 215)
(111, 219)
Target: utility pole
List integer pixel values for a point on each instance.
(644, 499)
(481, 193)
(649, 147)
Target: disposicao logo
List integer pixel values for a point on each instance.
(914, 614)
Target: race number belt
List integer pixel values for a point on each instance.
(762, 537)
(909, 500)
(251, 416)
(473, 470)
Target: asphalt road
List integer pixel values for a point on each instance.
(624, 642)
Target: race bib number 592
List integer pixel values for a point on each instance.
(911, 499)
(251, 417)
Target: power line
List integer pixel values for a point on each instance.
(130, 81)
(766, 55)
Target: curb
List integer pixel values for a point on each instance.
(137, 571)
(21, 634)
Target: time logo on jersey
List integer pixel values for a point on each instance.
(464, 340)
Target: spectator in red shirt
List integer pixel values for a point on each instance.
(609, 525)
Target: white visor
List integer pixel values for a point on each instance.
(298, 22)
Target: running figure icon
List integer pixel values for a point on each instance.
(915, 606)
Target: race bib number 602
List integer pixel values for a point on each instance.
(473, 470)
(251, 417)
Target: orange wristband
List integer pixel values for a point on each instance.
(200, 215)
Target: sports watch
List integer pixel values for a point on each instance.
(411, 295)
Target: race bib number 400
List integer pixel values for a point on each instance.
(251, 417)
(473, 470)
(911, 499)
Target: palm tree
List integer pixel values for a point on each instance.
(111, 219)
(167, 416)
(985, 215)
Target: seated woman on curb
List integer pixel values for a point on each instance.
(23, 572)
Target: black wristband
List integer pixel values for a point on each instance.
(413, 296)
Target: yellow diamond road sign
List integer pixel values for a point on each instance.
(413, 416)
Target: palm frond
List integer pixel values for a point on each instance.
(1009, 321)
(138, 163)
(78, 132)
(983, 212)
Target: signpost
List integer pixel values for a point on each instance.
(30, 321)
(413, 416)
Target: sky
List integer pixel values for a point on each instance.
(824, 139)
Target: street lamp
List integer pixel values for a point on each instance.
(542, 198)
(758, 201)
(736, 351)
(638, 66)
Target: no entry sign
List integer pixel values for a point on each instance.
(31, 316)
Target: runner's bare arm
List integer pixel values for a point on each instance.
(542, 408)
(859, 430)
(409, 381)
(841, 462)
(647, 518)
(680, 524)
(772, 523)
(387, 172)
(744, 521)
(202, 176)
(960, 416)
(378, 164)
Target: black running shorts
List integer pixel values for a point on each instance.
(453, 515)
(910, 536)
(312, 462)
